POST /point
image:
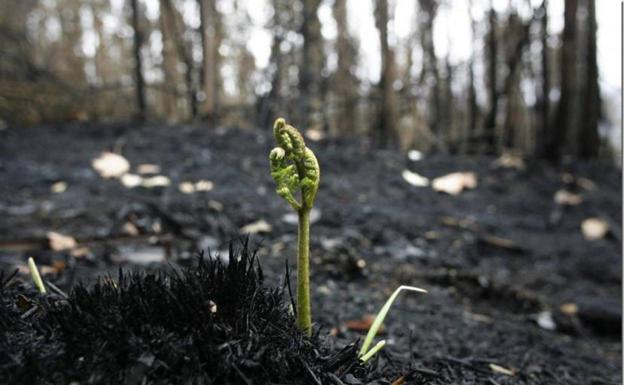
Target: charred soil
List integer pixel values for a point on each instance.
(517, 294)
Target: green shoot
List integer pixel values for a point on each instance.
(365, 354)
(296, 172)
(373, 351)
(34, 273)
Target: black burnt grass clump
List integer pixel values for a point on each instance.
(214, 323)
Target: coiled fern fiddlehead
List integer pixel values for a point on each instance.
(295, 169)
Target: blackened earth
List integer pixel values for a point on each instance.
(516, 295)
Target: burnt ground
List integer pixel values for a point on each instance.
(516, 295)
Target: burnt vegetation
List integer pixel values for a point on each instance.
(214, 323)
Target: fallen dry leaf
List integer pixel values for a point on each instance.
(190, 187)
(260, 226)
(586, 184)
(215, 205)
(58, 266)
(399, 381)
(415, 179)
(315, 135)
(567, 198)
(414, 155)
(60, 242)
(204, 185)
(130, 229)
(110, 165)
(156, 181)
(594, 228)
(569, 308)
(186, 188)
(509, 161)
(148, 168)
(80, 252)
(58, 187)
(131, 180)
(455, 183)
(363, 324)
(43, 269)
(502, 370)
(545, 321)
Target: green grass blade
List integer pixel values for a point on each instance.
(372, 332)
(34, 273)
(373, 351)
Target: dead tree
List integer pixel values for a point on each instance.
(519, 36)
(170, 60)
(386, 131)
(473, 108)
(211, 35)
(589, 139)
(138, 63)
(311, 65)
(345, 83)
(567, 66)
(430, 74)
(183, 52)
(544, 96)
(447, 115)
(489, 129)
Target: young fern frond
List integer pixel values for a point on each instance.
(296, 172)
(365, 354)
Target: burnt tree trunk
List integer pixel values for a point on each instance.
(544, 95)
(430, 67)
(345, 82)
(209, 25)
(473, 111)
(519, 34)
(556, 139)
(170, 61)
(138, 63)
(386, 134)
(489, 132)
(589, 139)
(310, 102)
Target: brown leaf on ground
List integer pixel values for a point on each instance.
(110, 165)
(502, 370)
(455, 183)
(594, 228)
(567, 198)
(363, 324)
(60, 242)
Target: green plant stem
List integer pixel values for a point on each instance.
(304, 317)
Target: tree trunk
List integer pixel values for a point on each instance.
(489, 132)
(473, 111)
(589, 139)
(544, 95)
(519, 35)
(345, 83)
(210, 63)
(170, 61)
(311, 66)
(138, 63)
(557, 137)
(386, 134)
(430, 67)
(451, 138)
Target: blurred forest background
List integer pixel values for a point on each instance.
(522, 86)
